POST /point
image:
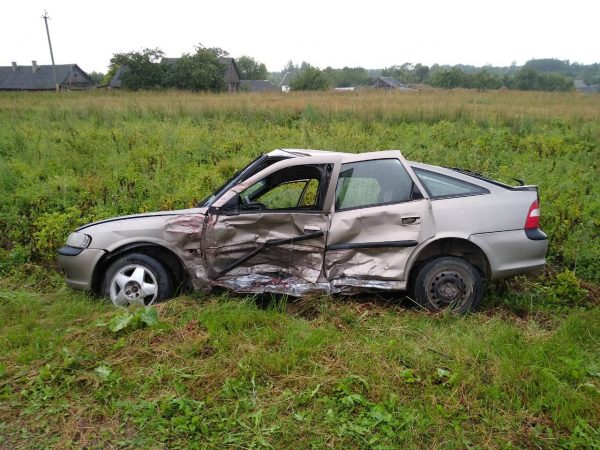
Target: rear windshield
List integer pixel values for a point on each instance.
(443, 186)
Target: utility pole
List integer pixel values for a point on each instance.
(45, 17)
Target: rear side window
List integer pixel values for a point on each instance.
(371, 183)
(443, 186)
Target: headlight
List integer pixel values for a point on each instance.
(79, 240)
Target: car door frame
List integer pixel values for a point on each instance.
(353, 264)
(219, 218)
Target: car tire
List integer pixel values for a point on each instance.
(449, 283)
(136, 279)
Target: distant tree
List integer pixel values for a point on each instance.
(143, 71)
(550, 65)
(290, 67)
(591, 74)
(197, 72)
(484, 80)
(96, 77)
(421, 73)
(250, 69)
(109, 75)
(528, 79)
(557, 82)
(310, 79)
(395, 72)
(403, 73)
(348, 76)
(448, 78)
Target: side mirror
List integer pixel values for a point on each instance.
(232, 207)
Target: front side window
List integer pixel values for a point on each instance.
(443, 186)
(293, 194)
(297, 187)
(372, 183)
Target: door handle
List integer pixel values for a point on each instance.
(311, 229)
(411, 220)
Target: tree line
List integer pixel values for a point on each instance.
(202, 70)
(526, 78)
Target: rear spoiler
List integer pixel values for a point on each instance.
(520, 187)
(529, 187)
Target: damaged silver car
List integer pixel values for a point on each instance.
(298, 222)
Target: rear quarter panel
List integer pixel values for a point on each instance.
(485, 213)
(494, 222)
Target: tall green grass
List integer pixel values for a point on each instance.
(67, 160)
(361, 375)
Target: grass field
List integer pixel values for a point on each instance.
(366, 372)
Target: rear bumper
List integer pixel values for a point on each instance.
(512, 252)
(79, 267)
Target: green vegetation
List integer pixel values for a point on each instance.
(310, 79)
(68, 161)
(148, 69)
(535, 75)
(221, 370)
(201, 71)
(251, 69)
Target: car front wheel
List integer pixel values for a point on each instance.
(136, 279)
(449, 283)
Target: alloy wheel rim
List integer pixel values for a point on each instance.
(133, 285)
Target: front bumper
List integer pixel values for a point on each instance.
(79, 266)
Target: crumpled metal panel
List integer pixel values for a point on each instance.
(246, 232)
(185, 232)
(377, 224)
(300, 261)
(291, 269)
(351, 286)
(211, 243)
(367, 263)
(256, 283)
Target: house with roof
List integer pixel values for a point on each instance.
(258, 86)
(41, 77)
(232, 74)
(391, 84)
(117, 80)
(286, 82)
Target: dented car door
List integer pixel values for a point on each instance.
(267, 234)
(380, 215)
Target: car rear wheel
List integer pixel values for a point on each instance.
(449, 283)
(136, 279)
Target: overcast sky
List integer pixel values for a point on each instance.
(371, 34)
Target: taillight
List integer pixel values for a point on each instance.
(533, 216)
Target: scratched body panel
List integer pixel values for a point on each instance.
(215, 242)
(229, 238)
(382, 227)
(185, 231)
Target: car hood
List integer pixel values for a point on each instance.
(166, 228)
(165, 214)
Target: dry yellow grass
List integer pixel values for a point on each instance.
(428, 104)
